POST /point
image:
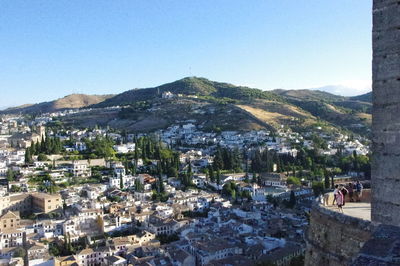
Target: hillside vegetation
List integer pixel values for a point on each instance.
(353, 113)
(190, 86)
(214, 106)
(262, 108)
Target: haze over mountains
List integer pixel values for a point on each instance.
(205, 101)
(349, 90)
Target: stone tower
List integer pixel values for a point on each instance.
(386, 112)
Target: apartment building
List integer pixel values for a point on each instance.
(44, 202)
(27, 202)
(9, 221)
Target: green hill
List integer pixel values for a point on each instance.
(190, 86)
(348, 112)
(214, 106)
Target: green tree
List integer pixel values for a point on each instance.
(42, 145)
(189, 173)
(15, 188)
(19, 252)
(42, 157)
(32, 148)
(101, 146)
(218, 179)
(293, 181)
(246, 178)
(211, 173)
(10, 175)
(327, 182)
(318, 188)
(28, 156)
(218, 161)
(292, 200)
(37, 148)
(233, 194)
(139, 187)
(172, 172)
(254, 178)
(121, 182)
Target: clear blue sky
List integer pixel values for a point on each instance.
(49, 49)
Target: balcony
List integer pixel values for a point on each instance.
(361, 210)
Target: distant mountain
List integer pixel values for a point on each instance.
(72, 101)
(364, 97)
(4, 107)
(309, 95)
(350, 90)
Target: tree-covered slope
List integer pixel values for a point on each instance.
(214, 105)
(190, 86)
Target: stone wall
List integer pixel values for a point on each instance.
(334, 238)
(385, 180)
(382, 249)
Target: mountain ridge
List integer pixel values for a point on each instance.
(194, 97)
(188, 86)
(71, 101)
(206, 88)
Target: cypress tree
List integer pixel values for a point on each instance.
(254, 178)
(211, 173)
(218, 160)
(28, 156)
(121, 182)
(136, 154)
(161, 185)
(37, 148)
(218, 177)
(292, 200)
(48, 144)
(143, 150)
(42, 145)
(32, 148)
